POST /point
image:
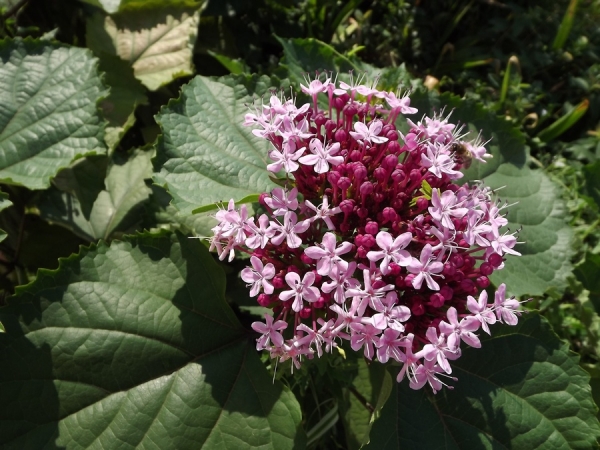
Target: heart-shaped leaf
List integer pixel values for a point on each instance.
(134, 346)
(48, 112)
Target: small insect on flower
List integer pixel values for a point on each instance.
(370, 243)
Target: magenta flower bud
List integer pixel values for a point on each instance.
(360, 171)
(355, 155)
(469, 261)
(495, 260)
(389, 214)
(436, 300)
(397, 204)
(398, 176)
(392, 135)
(368, 241)
(358, 240)
(449, 269)
(294, 269)
(319, 304)
(330, 125)
(320, 119)
(415, 175)
(344, 183)
(341, 101)
(457, 260)
(305, 313)
(340, 135)
(350, 109)
(408, 279)
(347, 206)
(422, 204)
(483, 281)
(362, 213)
(380, 174)
(378, 197)
(389, 162)
(394, 269)
(447, 292)
(263, 300)
(318, 278)
(261, 198)
(278, 282)
(417, 308)
(361, 252)
(372, 228)
(399, 281)
(306, 259)
(386, 129)
(467, 285)
(462, 242)
(486, 269)
(333, 177)
(366, 188)
(459, 276)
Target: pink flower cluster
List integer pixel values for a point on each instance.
(369, 240)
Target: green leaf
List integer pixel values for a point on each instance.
(248, 199)
(591, 173)
(363, 401)
(156, 44)
(535, 202)
(565, 122)
(49, 115)
(565, 26)
(587, 273)
(126, 93)
(235, 66)
(523, 389)
(96, 214)
(113, 6)
(134, 346)
(4, 203)
(205, 155)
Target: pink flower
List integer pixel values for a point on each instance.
(323, 212)
(424, 268)
(322, 157)
(270, 332)
(390, 315)
(481, 311)
(507, 310)
(286, 158)
(437, 349)
(301, 290)
(370, 134)
(457, 331)
(391, 250)
(289, 230)
(260, 234)
(341, 280)
(327, 255)
(364, 335)
(259, 276)
(388, 345)
(444, 207)
(281, 201)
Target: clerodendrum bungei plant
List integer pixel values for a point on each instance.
(370, 239)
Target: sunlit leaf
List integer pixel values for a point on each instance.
(156, 44)
(205, 154)
(48, 110)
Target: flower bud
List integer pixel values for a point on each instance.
(483, 281)
(366, 188)
(392, 135)
(467, 285)
(495, 260)
(340, 135)
(422, 204)
(486, 269)
(264, 300)
(447, 292)
(347, 206)
(333, 177)
(380, 174)
(389, 214)
(362, 212)
(457, 260)
(306, 259)
(360, 172)
(436, 300)
(361, 252)
(372, 228)
(389, 162)
(368, 241)
(344, 183)
(355, 155)
(305, 313)
(278, 282)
